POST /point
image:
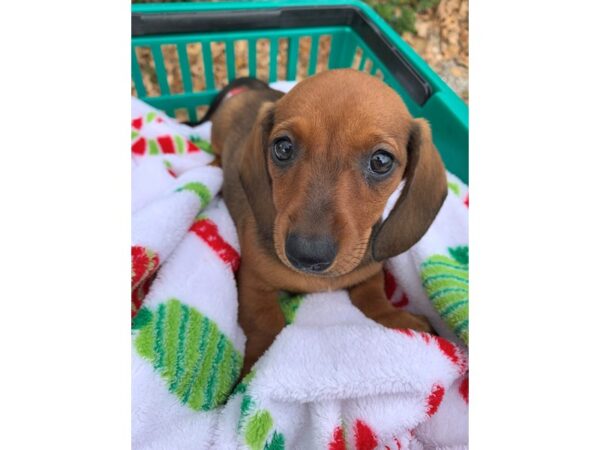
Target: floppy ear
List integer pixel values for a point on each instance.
(254, 175)
(424, 192)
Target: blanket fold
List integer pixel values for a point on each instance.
(343, 371)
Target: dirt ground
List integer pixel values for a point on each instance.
(442, 40)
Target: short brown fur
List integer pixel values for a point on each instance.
(336, 120)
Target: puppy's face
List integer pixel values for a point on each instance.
(335, 149)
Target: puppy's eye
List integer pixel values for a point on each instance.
(381, 162)
(283, 149)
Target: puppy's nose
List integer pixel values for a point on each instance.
(310, 254)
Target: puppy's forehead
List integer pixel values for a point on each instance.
(342, 102)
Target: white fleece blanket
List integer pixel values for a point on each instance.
(333, 379)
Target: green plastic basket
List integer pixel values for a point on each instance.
(358, 38)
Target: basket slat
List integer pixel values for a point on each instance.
(292, 58)
(208, 66)
(136, 74)
(230, 60)
(314, 53)
(252, 57)
(161, 73)
(185, 67)
(274, 44)
(363, 61)
(186, 77)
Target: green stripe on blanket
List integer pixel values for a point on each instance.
(446, 281)
(288, 303)
(202, 143)
(198, 362)
(200, 190)
(255, 425)
(257, 429)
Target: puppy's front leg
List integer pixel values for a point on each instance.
(260, 316)
(369, 297)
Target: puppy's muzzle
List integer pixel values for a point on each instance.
(310, 254)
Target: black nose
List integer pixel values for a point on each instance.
(311, 254)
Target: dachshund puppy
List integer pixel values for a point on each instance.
(306, 178)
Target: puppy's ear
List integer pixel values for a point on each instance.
(424, 191)
(254, 174)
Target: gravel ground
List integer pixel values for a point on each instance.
(442, 40)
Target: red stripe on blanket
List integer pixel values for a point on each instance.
(208, 231)
(364, 437)
(434, 399)
(337, 443)
(405, 331)
(139, 294)
(166, 144)
(451, 351)
(389, 284)
(467, 201)
(403, 301)
(191, 148)
(136, 123)
(463, 389)
(398, 444)
(143, 263)
(139, 146)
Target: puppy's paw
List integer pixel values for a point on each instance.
(402, 319)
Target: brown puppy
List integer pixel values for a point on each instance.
(306, 178)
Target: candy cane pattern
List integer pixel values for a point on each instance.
(171, 143)
(207, 230)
